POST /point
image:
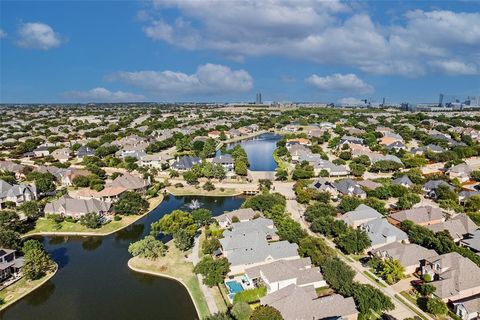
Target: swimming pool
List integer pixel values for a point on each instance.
(234, 287)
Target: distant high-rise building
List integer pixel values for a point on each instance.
(258, 98)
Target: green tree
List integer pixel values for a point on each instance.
(353, 241)
(315, 248)
(81, 181)
(339, 275)
(436, 306)
(357, 169)
(349, 203)
(183, 239)
(240, 167)
(91, 220)
(241, 311)
(202, 216)
(212, 270)
(407, 201)
(391, 270)
(368, 299)
(190, 177)
(426, 289)
(130, 203)
(266, 313)
(31, 209)
(281, 175)
(210, 245)
(148, 248)
(36, 261)
(170, 223)
(9, 239)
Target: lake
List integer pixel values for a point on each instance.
(94, 281)
(260, 151)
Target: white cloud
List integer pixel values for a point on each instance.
(340, 83)
(37, 35)
(316, 31)
(104, 95)
(3, 34)
(455, 67)
(210, 79)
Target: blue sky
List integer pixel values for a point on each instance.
(212, 50)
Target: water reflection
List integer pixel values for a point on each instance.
(131, 233)
(46, 291)
(60, 256)
(92, 243)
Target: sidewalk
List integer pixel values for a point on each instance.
(212, 306)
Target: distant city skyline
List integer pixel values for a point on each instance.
(229, 51)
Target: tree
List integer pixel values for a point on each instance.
(368, 298)
(339, 275)
(9, 239)
(148, 248)
(170, 223)
(31, 209)
(190, 177)
(385, 166)
(91, 220)
(436, 306)
(36, 261)
(357, 169)
(210, 245)
(426, 289)
(241, 167)
(130, 203)
(349, 203)
(45, 184)
(266, 313)
(391, 270)
(202, 216)
(241, 311)
(353, 241)
(81, 181)
(183, 239)
(315, 248)
(281, 175)
(265, 202)
(302, 171)
(208, 186)
(319, 209)
(212, 270)
(289, 229)
(407, 201)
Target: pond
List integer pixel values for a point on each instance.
(260, 151)
(94, 281)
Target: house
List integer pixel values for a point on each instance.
(422, 216)
(459, 227)
(468, 308)
(17, 193)
(369, 184)
(381, 233)
(295, 303)
(431, 187)
(322, 185)
(349, 139)
(12, 167)
(461, 172)
(215, 134)
(408, 254)
(403, 181)
(300, 141)
(241, 215)
(226, 161)
(350, 187)
(10, 264)
(130, 183)
(472, 241)
(62, 155)
(454, 276)
(362, 214)
(279, 274)
(85, 151)
(107, 194)
(155, 160)
(41, 151)
(332, 169)
(185, 163)
(76, 208)
(248, 244)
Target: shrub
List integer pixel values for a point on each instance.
(117, 217)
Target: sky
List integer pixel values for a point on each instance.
(228, 50)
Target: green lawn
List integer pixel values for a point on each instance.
(49, 226)
(371, 276)
(21, 288)
(174, 265)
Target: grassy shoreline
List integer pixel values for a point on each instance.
(22, 288)
(174, 266)
(46, 226)
(192, 191)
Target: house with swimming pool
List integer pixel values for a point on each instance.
(253, 243)
(282, 273)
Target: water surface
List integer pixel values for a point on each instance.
(94, 281)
